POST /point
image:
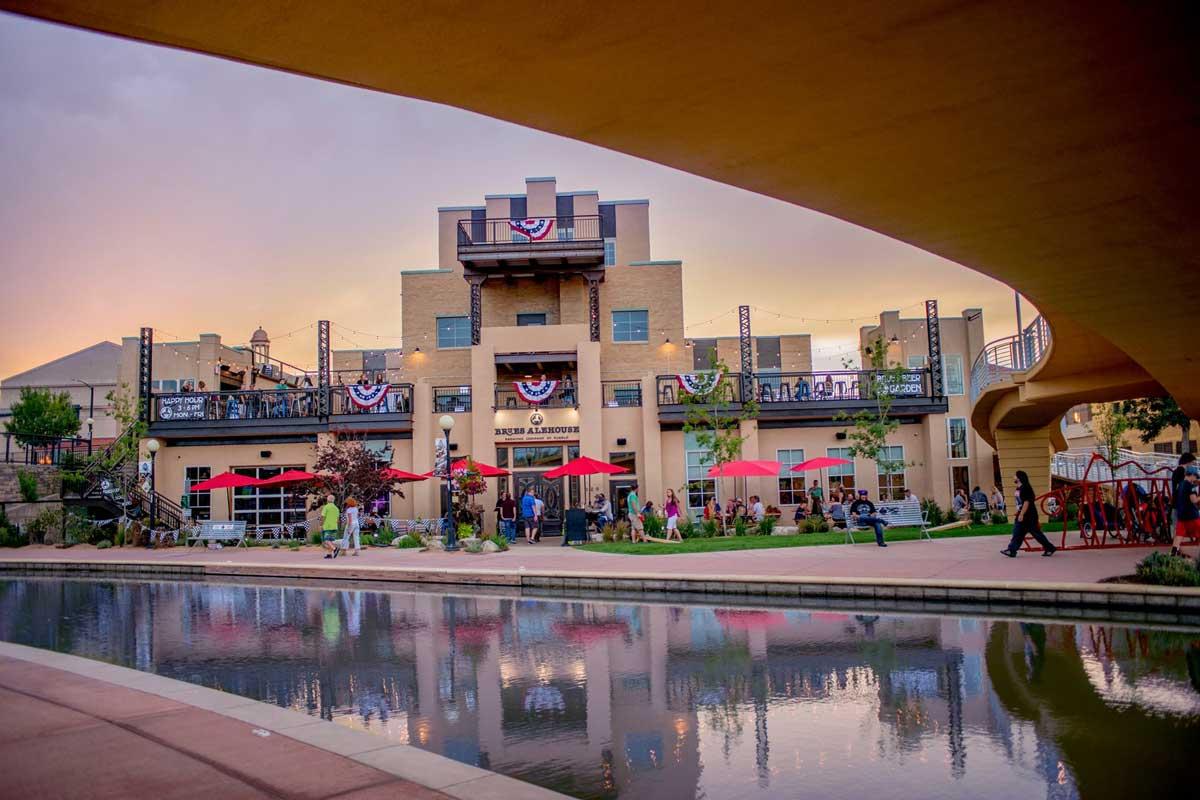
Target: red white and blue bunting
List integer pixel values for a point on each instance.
(698, 382)
(535, 391)
(367, 396)
(534, 229)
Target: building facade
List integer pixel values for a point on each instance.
(546, 331)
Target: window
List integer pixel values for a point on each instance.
(543, 456)
(891, 474)
(627, 460)
(916, 362)
(165, 386)
(843, 474)
(704, 353)
(453, 332)
(768, 352)
(1166, 448)
(530, 319)
(199, 502)
(374, 361)
(952, 365)
(631, 326)
(956, 435)
(700, 487)
(610, 252)
(271, 505)
(791, 484)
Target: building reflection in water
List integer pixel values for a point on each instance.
(604, 700)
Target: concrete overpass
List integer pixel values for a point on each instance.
(1049, 145)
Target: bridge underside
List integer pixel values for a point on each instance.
(1049, 145)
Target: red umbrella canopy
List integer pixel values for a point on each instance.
(393, 474)
(585, 466)
(745, 469)
(226, 480)
(820, 462)
(485, 470)
(290, 476)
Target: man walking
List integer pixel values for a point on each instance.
(862, 511)
(529, 514)
(637, 531)
(329, 527)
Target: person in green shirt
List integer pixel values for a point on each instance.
(636, 530)
(329, 527)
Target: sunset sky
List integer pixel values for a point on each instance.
(146, 186)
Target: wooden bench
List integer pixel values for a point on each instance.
(212, 531)
(900, 514)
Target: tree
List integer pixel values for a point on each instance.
(125, 407)
(40, 416)
(348, 469)
(871, 427)
(1109, 424)
(1152, 415)
(710, 416)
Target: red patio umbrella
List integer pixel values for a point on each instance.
(745, 469)
(226, 480)
(585, 466)
(485, 470)
(820, 463)
(393, 474)
(289, 476)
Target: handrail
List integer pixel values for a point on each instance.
(269, 404)
(1003, 357)
(550, 229)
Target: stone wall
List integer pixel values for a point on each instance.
(10, 488)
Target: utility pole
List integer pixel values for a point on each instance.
(1020, 354)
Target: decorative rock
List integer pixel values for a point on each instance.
(434, 544)
(396, 540)
(490, 547)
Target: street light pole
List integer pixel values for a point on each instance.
(91, 409)
(446, 423)
(152, 447)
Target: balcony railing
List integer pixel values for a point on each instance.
(562, 397)
(622, 394)
(266, 404)
(451, 399)
(1001, 358)
(37, 449)
(670, 393)
(397, 401)
(537, 232)
(771, 388)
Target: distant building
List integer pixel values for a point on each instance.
(96, 365)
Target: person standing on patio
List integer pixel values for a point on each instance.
(508, 517)
(1026, 519)
(329, 527)
(1187, 508)
(816, 492)
(529, 514)
(539, 515)
(862, 511)
(637, 531)
(351, 539)
(671, 509)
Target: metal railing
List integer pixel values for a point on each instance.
(451, 399)
(398, 400)
(1073, 465)
(1000, 359)
(563, 396)
(270, 404)
(536, 231)
(842, 385)
(36, 449)
(621, 394)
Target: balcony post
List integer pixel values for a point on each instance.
(323, 379)
(933, 329)
(145, 369)
(476, 282)
(747, 357)
(593, 281)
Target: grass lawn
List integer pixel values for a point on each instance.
(718, 544)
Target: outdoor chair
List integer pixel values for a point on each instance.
(854, 391)
(666, 395)
(785, 392)
(765, 395)
(575, 526)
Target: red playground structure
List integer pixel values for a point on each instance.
(1129, 511)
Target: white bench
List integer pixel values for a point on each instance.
(901, 514)
(211, 531)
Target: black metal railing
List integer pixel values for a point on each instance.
(36, 449)
(670, 391)
(622, 394)
(451, 399)
(537, 231)
(563, 396)
(841, 385)
(263, 404)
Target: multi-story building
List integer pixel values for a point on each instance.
(561, 287)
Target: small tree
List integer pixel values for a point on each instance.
(710, 415)
(40, 416)
(1152, 415)
(871, 428)
(348, 469)
(1109, 424)
(125, 408)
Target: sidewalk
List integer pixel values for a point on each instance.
(71, 727)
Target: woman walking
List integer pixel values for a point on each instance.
(1026, 519)
(671, 509)
(351, 539)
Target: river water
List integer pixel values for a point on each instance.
(663, 701)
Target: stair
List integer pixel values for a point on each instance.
(112, 483)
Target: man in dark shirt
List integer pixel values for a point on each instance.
(1177, 477)
(1187, 508)
(862, 511)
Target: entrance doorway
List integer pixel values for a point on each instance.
(550, 492)
(618, 490)
(960, 478)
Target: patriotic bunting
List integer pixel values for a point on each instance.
(535, 391)
(698, 382)
(534, 229)
(367, 396)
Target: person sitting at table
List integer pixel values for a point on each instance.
(836, 513)
(372, 523)
(802, 509)
(828, 386)
(604, 510)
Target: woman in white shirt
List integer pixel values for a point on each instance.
(352, 537)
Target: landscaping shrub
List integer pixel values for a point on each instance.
(621, 534)
(741, 527)
(977, 517)
(103, 544)
(294, 545)
(1163, 569)
(46, 527)
(654, 525)
(999, 518)
(474, 546)
(314, 537)
(609, 532)
(9, 535)
(27, 483)
(932, 513)
(119, 536)
(687, 529)
(409, 541)
(766, 526)
(814, 525)
(709, 528)
(466, 530)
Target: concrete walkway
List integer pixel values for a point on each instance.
(75, 728)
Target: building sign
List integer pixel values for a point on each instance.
(441, 457)
(542, 425)
(181, 406)
(909, 384)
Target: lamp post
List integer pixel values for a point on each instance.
(91, 409)
(152, 448)
(90, 423)
(446, 423)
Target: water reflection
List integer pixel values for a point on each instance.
(603, 700)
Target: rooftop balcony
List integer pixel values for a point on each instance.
(264, 412)
(1001, 359)
(538, 243)
(813, 395)
(507, 396)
